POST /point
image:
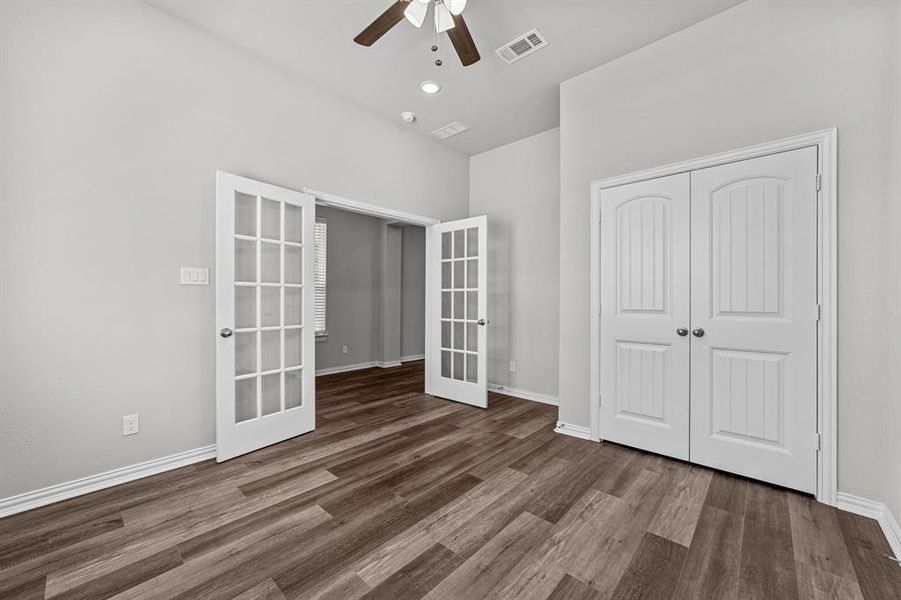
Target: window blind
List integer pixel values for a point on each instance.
(320, 234)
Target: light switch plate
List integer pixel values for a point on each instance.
(195, 276)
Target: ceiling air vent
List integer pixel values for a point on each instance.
(450, 129)
(522, 46)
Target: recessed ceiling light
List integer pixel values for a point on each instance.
(430, 87)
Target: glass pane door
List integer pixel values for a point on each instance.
(457, 345)
(268, 306)
(265, 371)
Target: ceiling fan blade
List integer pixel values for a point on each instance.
(462, 41)
(382, 24)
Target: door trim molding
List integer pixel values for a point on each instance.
(367, 208)
(827, 284)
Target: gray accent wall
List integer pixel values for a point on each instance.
(373, 297)
(115, 117)
(353, 306)
(518, 187)
(758, 72)
(412, 300)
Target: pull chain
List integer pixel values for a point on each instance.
(438, 62)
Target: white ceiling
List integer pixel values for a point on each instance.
(501, 103)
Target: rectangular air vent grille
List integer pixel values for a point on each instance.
(522, 46)
(450, 129)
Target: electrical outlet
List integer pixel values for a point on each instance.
(130, 425)
(513, 366)
(343, 348)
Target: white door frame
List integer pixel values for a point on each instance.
(374, 210)
(827, 283)
(367, 208)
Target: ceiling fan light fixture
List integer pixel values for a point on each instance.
(430, 87)
(415, 12)
(455, 6)
(443, 18)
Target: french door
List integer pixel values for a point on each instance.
(708, 317)
(456, 281)
(265, 372)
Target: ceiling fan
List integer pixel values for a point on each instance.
(448, 17)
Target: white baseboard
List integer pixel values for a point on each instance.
(346, 368)
(583, 433)
(524, 394)
(368, 365)
(874, 510)
(92, 483)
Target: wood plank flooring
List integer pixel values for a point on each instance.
(399, 495)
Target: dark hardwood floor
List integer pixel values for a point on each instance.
(399, 495)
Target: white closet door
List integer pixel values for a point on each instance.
(265, 360)
(644, 346)
(457, 283)
(754, 314)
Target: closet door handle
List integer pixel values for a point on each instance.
(682, 332)
(698, 332)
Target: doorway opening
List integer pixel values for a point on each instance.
(370, 291)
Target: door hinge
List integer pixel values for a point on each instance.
(819, 182)
(599, 399)
(819, 442)
(819, 312)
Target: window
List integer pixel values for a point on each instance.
(320, 234)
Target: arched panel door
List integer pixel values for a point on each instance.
(754, 299)
(644, 345)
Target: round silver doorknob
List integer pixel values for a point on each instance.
(682, 332)
(482, 322)
(225, 332)
(697, 332)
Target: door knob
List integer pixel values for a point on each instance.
(682, 332)
(482, 322)
(697, 332)
(225, 332)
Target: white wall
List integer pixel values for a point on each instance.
(891, 421)
(754, 73)
(518, 187)
(115, 117)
